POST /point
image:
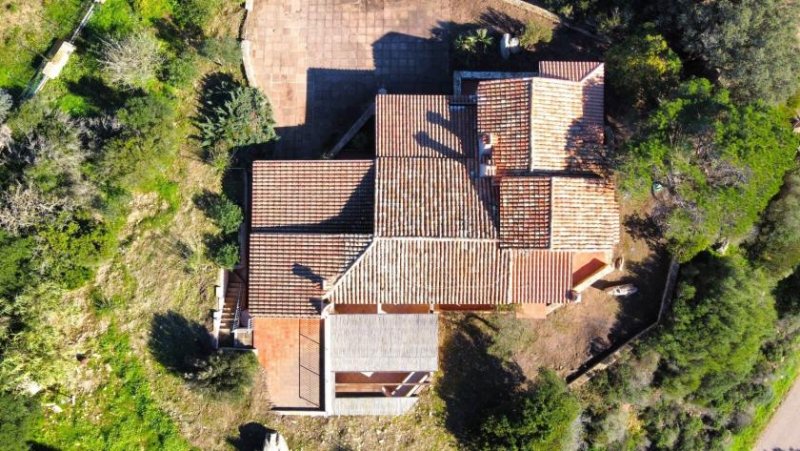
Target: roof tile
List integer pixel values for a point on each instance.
(585, 214)
(313, 196)
(504, 109)
(525, 212)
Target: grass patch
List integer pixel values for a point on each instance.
(785, 378)
(120, 413)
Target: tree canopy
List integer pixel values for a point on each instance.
(719, 163)
(751, 44)
(537, 419)
(722, 313)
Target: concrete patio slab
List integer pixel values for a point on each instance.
(320, 62)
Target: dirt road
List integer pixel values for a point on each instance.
(782, 432)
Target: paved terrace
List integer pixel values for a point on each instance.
(321, 62)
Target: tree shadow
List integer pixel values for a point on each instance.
(97, 93)
(473, 382)
(645, 228)
(251, 437)
(176, 342)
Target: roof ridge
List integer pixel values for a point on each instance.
(350, 269)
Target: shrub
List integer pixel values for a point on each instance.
(777, 246)
(227, 373)
(131, 62)
(72, 246)
(538, 419)
(18, 416)
(222, 211)
(193, 15)
(474, 42)
(225, 253)
(179, 70)
(243, 117)
(535, 33)
(15, 257)
(223, 51)
(642, 69)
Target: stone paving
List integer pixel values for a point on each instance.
(321, 62)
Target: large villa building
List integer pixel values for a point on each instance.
(486, 199)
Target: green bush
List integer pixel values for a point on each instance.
(18, 416)
(224, 253)
(720, 165)
(535, 33)
(538, 419)
(642, 69)
(179, 70)
(223, 51)
(237, 117)
(473, 43)
(72, 246)
(15, 257)
(194, 15)
(6, 104)
(226, 373)
(222, 211)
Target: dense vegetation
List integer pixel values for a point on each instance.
(74, 162)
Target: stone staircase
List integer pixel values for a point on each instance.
(237, 289)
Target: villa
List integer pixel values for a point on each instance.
(494, 197)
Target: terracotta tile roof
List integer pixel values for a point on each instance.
(313, 196)
(433, 197)
(567, 70)
(525, 212)
(567, 131)
(425, 126)
(504, 109)
(585, 214)
(423, 271)
(286, 270)
(540, 276)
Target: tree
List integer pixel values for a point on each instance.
(722, 314)
(537, 419)
(227, 373)
(131, 62)
(642, 68)
(777, 246)
(18, 415)
(719, 165)
(193, 15)
(751, 44)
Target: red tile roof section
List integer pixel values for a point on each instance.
(567, 125)
(435, 126)
(313, 196)
(585, 214)
(540, 276)
(286, 270)
(504, 109)
(567, 70)
(433, 197)
(423, 271)
(525, 212)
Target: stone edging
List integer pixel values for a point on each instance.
(246, 46)
(666, 298)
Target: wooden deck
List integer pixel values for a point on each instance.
(290, 350)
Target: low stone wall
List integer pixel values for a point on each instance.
(585, 374)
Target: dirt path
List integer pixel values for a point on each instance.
(783, 431)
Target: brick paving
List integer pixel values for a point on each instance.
(289, 349)
(321, 62)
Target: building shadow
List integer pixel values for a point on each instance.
(473, 382)
(251, 437)
(177, 342)
(335, 98)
